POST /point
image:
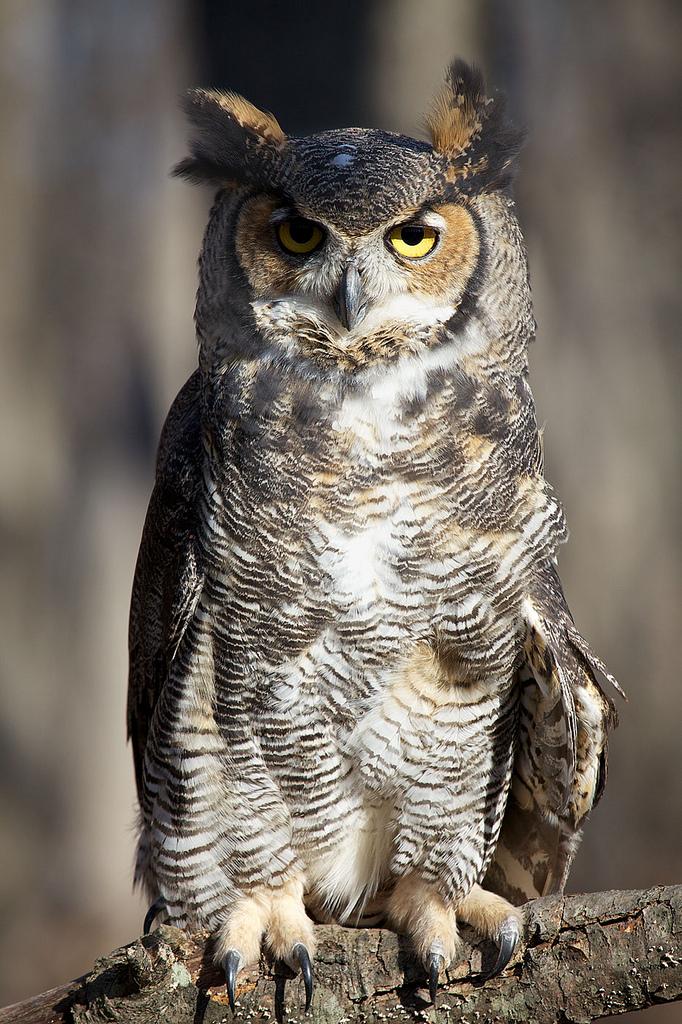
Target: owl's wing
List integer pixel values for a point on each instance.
(167, 575)
(560, 766)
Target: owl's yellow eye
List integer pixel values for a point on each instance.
(299, 236)
(412, 240)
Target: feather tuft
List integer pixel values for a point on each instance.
(456, 117)
(233, 140)
(470, 129)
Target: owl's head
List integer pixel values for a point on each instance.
(356, 246)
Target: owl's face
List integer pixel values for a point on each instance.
(341, 283)
(355, 245)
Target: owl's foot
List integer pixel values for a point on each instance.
(276, 916)
(289, 935)
(497, 919)
(157, 907)
(418, 910)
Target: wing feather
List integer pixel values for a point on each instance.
(167, 575)
(560, 766)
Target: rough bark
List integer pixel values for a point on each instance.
(584, 957)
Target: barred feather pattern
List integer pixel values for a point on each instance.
(329, 630)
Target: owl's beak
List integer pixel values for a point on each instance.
(348, 299)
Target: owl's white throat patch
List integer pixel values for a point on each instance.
(402, 313)
(402, 310)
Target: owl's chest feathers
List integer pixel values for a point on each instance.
(360, 524)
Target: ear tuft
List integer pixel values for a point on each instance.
(233, 140)
(469, 129)
(456, 116)
(259, 122)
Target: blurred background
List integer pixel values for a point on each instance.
(96, 298)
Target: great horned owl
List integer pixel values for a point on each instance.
(356, 691)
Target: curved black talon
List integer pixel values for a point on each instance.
(151, 915)
(509, 940)
(282, 974)
(303, 956)
(436, 962)
(230, 965)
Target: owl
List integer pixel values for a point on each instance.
(356, 691)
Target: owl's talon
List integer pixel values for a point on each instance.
(280, 991)
(436, 962)
(509, 936)
(303, 956)
(156, 908)
(230, 964)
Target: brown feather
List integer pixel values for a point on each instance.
(247, 115)
(455, 118)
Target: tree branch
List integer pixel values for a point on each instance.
(584, 957)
